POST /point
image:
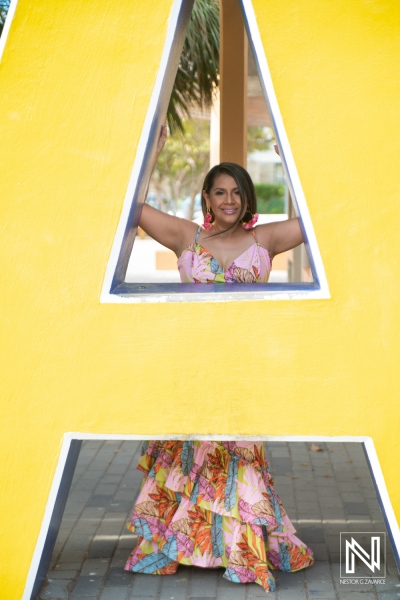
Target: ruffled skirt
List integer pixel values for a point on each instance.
(212, 504)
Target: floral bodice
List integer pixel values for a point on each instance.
(197, 265)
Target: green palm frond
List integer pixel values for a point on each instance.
(4, 6)
(198, 71)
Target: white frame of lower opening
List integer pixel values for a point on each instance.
(369, 448)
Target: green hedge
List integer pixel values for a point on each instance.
(270, 198)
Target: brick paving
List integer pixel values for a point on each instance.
(324, 492)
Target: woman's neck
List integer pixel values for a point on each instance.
(224, 232)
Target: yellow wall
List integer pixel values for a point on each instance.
(76, 79)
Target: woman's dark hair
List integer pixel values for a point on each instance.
(245, 185)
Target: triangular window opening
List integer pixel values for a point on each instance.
(142, 266)
(175, 186)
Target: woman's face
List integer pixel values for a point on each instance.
(224, 200)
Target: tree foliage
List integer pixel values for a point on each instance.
(183, 164)
(198, 71)
(4, 6)
(259, 138)
(270, 198)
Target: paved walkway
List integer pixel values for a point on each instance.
(324, 491)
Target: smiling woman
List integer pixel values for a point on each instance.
(206, 503)
(228, 248)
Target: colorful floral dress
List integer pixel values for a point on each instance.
(208, 503)
(197, 265)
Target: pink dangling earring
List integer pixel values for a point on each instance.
(250, 224)
(207, 220)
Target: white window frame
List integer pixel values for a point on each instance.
(115, 288)
(69, 455)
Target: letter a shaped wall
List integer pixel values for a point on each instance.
(76, 81)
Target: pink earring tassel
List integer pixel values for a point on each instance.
(250, 224)
(207, 221)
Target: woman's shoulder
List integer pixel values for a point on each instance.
(190, 227)
(263, 233)
(190, 231)
(280, 236)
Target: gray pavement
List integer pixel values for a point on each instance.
(324, 491)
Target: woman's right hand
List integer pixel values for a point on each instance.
(168, 230)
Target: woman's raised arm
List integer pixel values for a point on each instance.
(280, 236)
(168, 230)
